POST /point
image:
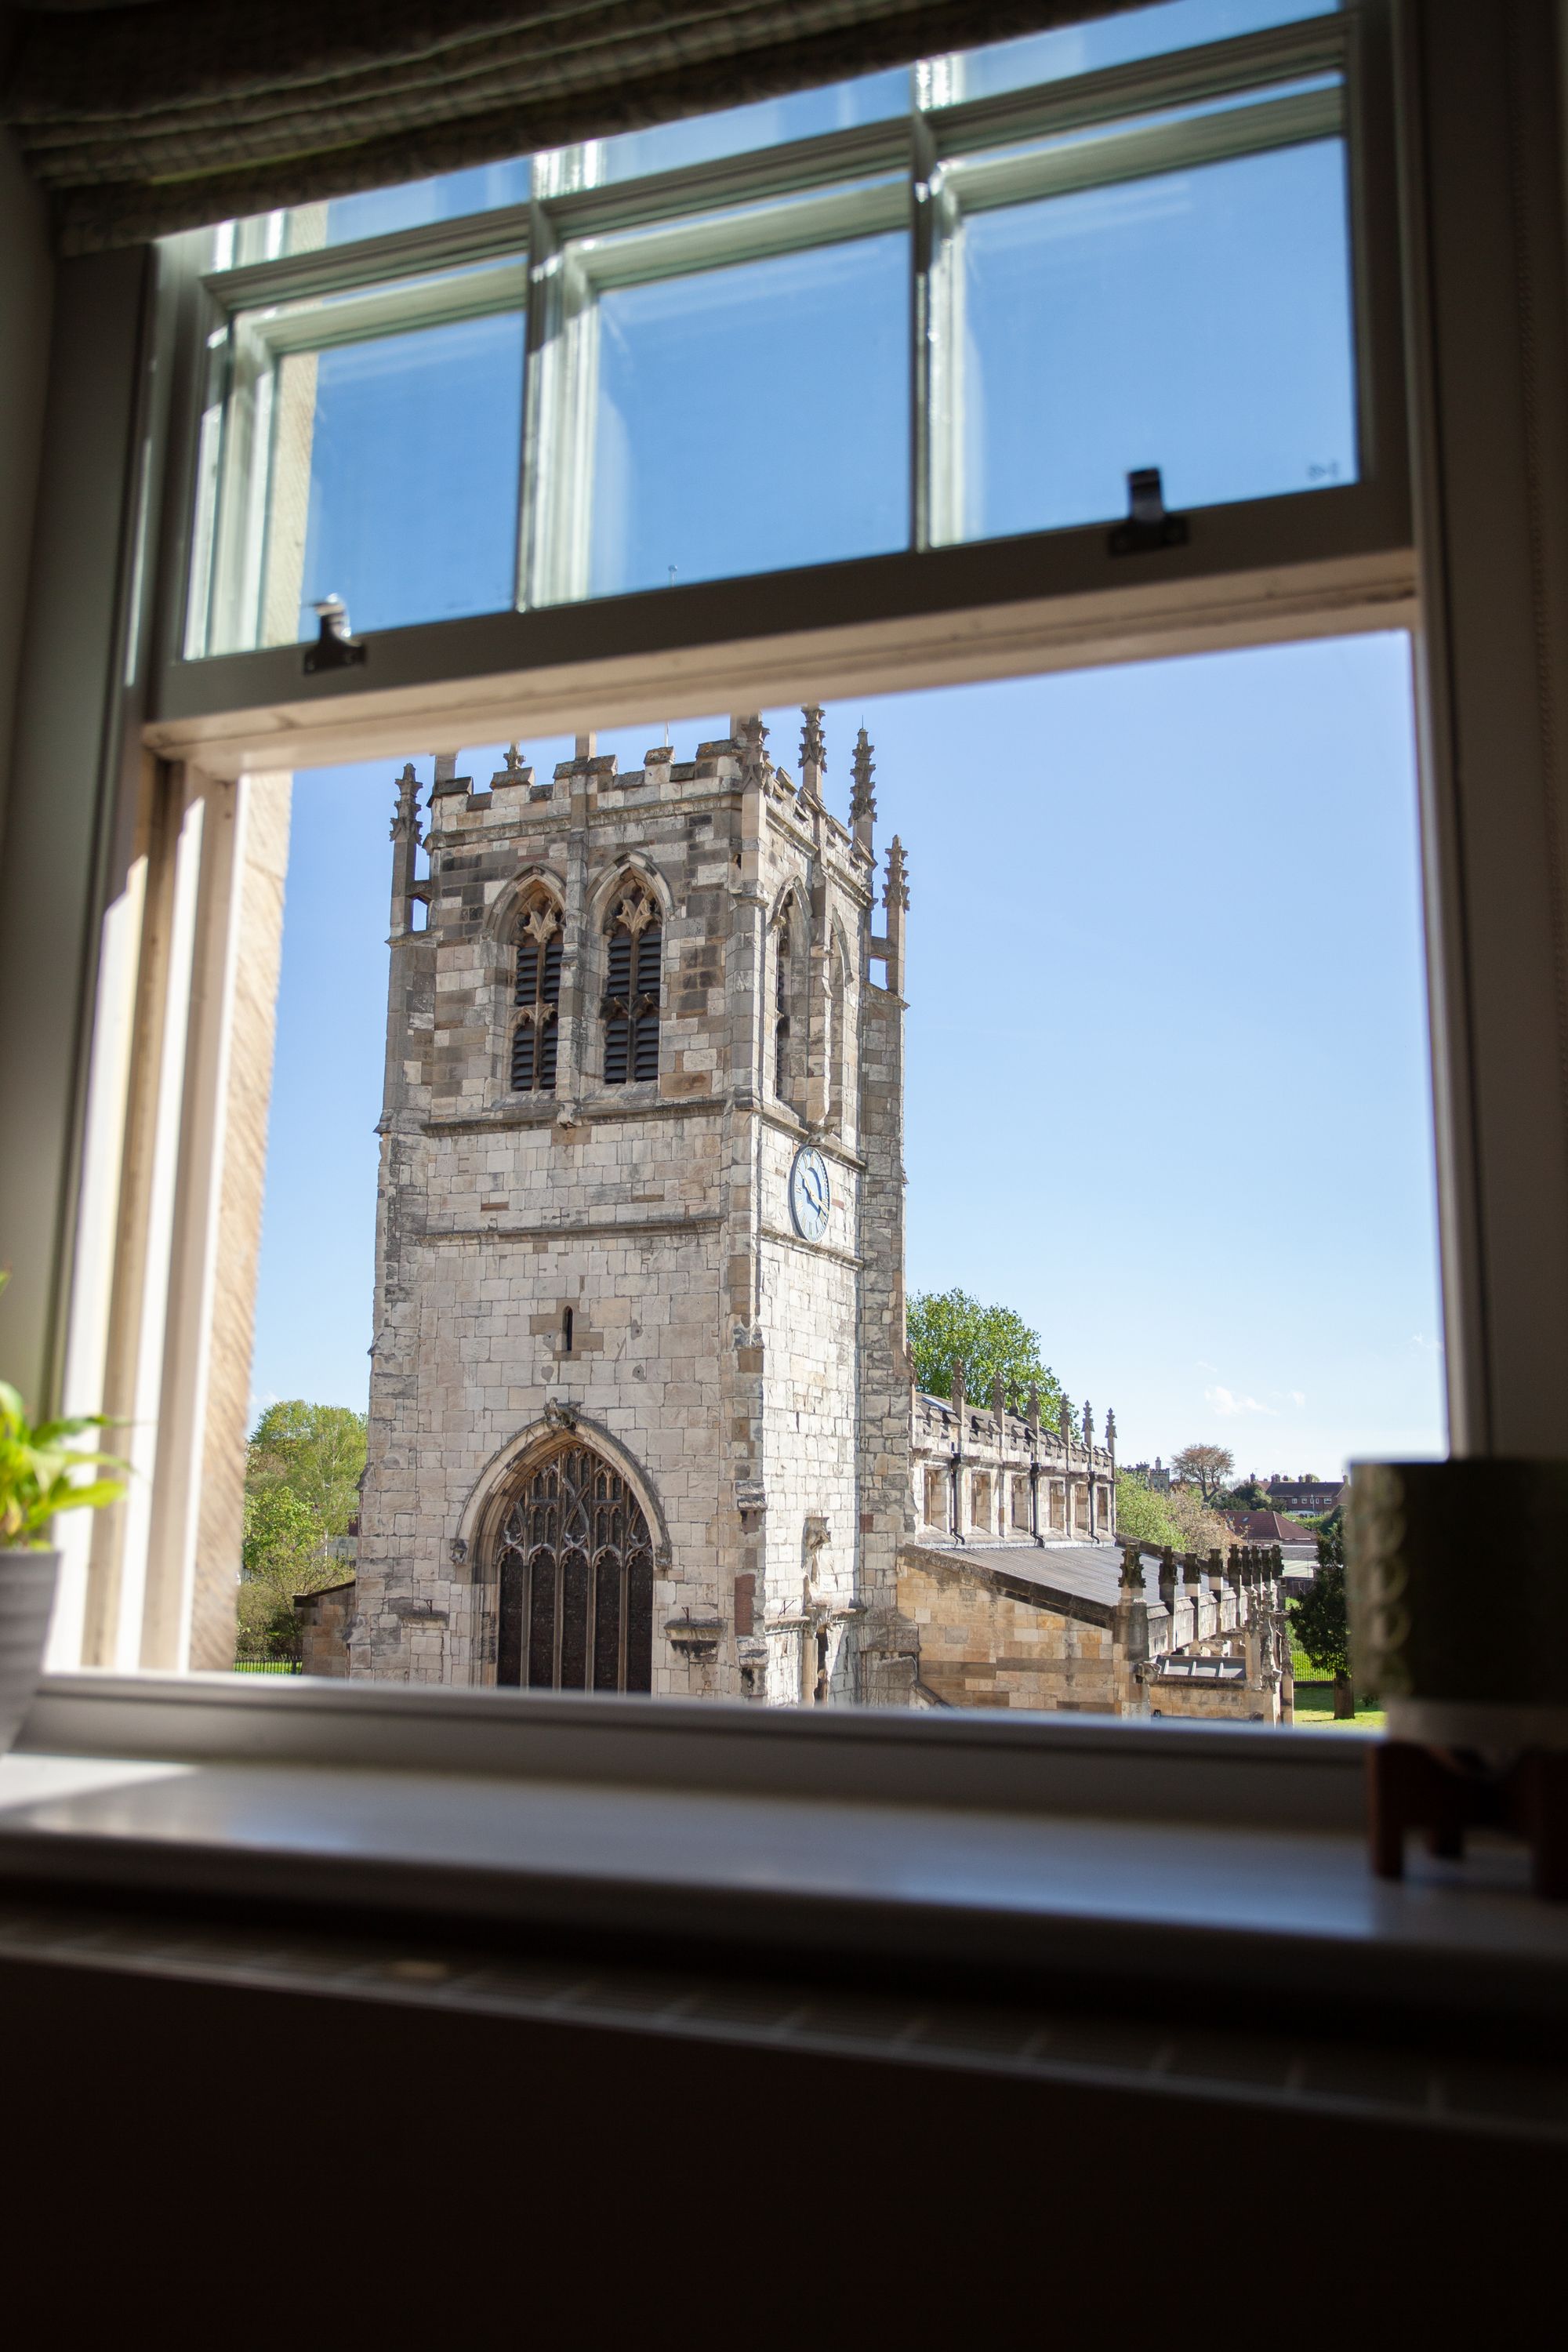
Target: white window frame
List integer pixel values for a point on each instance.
(1485, 779)
(942, 611)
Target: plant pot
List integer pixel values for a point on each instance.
(1457, 1580)
(26, 1602)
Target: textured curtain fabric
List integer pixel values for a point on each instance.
(153, 115)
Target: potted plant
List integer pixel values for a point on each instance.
(40, 1477)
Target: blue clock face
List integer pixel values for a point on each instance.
(810, 1194)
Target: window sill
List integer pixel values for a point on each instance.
(1223, 1860)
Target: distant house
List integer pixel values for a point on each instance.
(1304, 1494)
(1268, 1527)
(1154, 1475)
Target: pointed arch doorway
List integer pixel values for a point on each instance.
(575, 1574)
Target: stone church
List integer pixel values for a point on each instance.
(639, 1412)
(641, 1415)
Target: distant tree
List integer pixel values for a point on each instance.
(317, 1451)
(948, 1326)
(303, 1466)
(1322, 1621)
(1250, 1495)
(1210, 1468)
(1141, 1513)
(1178, 1519)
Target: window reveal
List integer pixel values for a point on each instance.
(537, 997)
(781, 1014)
(630, 1010)
(837, 990)
(575, 1580)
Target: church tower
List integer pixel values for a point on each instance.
(639, 1398)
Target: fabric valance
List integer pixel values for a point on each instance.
(142, 117)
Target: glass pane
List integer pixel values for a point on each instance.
(745, 130)
(1119, 40)
(485, 188)
(707, 463)
(377, 212)
(1139, 804)
(1199, 322)
(383, 472)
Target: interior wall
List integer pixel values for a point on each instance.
(367, 2171)
(26, 283)
(66, 656)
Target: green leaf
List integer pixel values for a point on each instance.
(90, 1497)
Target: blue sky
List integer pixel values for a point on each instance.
(1167, 1066)
(1167, 1075)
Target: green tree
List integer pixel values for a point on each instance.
(303, 1466)
(317, 1451)
(1141, 1513)
(1250, 1495)
(1321, 1619)
(1178, 1519)
(948, 1326)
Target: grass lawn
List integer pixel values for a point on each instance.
(1315, 1706)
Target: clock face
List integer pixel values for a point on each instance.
(810, 1193)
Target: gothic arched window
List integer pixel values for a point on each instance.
(630, 1010)
(575, 1575)
(537, 997)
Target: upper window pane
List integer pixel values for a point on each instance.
(379, 465)
(744, 129)
(451, 196)
(1117, 41)
(378, 212)
(743, 418)
(1197, 320)
(413, 496)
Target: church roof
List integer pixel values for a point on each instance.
(1074, 1577)
(1269, 1526)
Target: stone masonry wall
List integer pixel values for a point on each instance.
(981, 1647)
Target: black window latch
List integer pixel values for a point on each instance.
(1147, 526)
(334, 648)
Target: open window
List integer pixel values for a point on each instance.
(1004, 367)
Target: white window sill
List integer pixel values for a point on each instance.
(1223, 1859)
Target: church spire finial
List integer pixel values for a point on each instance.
(753, 736)
(862, 800)
(405, 816)
(812, 752)
(406, 838)
(897, 892)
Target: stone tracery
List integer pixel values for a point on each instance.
(574, 1573)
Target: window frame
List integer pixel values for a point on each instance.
(1280, 605)
(940, 611)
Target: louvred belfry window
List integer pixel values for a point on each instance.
(537, 998)
(630, 1010)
